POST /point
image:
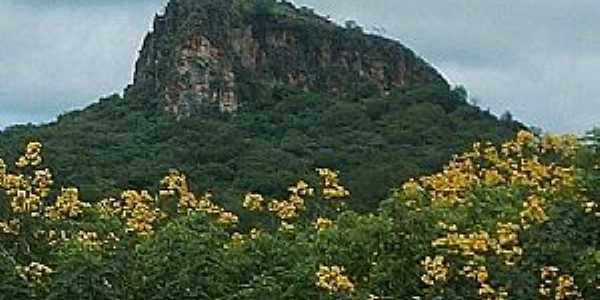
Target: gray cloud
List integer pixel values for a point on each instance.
(58, 57)
(537, 59)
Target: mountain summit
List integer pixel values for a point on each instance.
(211, 52)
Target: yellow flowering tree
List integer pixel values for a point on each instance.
(491, 207)
(512, 221)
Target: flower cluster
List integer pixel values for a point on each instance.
(238, 239)
(301, 189)
(202, 203)
(287, 209)
(85, 240)
(468, 245)
(42, 182)
(291, 208)
(322, 224)
(436, 270)
(32, 156)
(93, 242)
(412, 189)
(478, 273)
(35, 273)
(591, 207)
(140, 212)
(332, 189)
(67, 205)
(254, 202)
(561, 286)
(533, 210)
(286, 227)
(136, 208)
(451, 185)
(331, 279)
(537, 171)
(507, 242)
(518, 163)
(175, 185)
(53, 237)
(12, 227)
(25, 202)
(474, 245)
(227, 218)
(28, 188)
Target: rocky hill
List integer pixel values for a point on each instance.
(250, 95)
(209, 52)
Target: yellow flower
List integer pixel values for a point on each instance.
(42, 182)
(322, 224)
(332, 280)
(331, 186)
(436, 270)
(492, 178)
(534, 210)
(469, 244)
(34, 273)
(284, 210)
(32, 156)
(12, 227)
(227, 218)
(237, 240)
(301, 189)
(254, 202)
(67, 205)
(286, 227)
(139, 210)
(525, 137)
(563, 286)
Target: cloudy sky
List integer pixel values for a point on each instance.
(538, 59)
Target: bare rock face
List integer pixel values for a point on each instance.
(201, 76)
(201, 50)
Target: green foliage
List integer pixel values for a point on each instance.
(283, 134)
(190, 256)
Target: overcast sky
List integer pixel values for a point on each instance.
(538, 59)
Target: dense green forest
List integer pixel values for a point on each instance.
(377, 142)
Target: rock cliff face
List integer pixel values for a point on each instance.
(207, 52)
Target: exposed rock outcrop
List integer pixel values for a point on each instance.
(201, 50)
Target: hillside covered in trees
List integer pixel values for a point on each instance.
(264, 152)
(249, 95)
